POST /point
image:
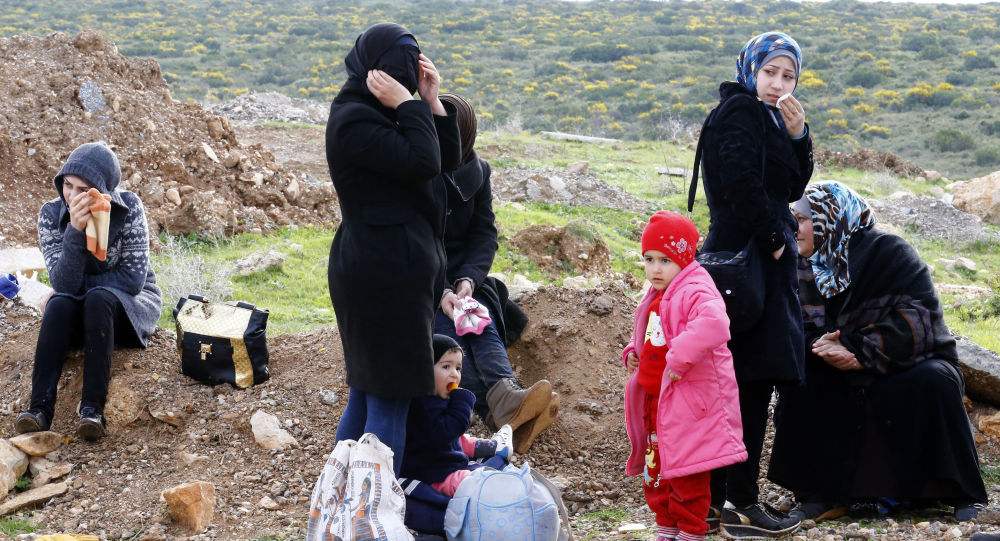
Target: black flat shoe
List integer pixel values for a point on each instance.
(32, 420)
(91, 426)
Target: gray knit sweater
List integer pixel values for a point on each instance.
(73, 271)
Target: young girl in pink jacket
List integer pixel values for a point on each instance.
(682, 410)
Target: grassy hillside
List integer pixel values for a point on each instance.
(919, 80)
(299, 299)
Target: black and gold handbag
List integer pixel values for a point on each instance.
(222, 342)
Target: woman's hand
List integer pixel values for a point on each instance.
(631, 362)
(79, 211)
(464, 289)
(777, 253)
(794, 116)
(448, 303)
(429, 84)
(829, 348)
(387, 90)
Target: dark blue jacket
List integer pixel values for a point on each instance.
(432, 431)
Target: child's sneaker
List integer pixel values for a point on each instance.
(505, 441)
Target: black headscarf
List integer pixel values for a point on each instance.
(388, 47)
(466, 117)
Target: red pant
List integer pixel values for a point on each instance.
(681, 502)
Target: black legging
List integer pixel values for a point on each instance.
(94, 322)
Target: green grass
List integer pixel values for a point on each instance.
(991, 474)
(297, 295)
(14, 526)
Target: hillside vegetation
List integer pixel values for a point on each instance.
(918, 80)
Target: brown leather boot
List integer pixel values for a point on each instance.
(526, 434)
(511, 405)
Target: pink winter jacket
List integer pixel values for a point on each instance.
(698, 425)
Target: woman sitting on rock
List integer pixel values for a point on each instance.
(470, 244)
(96, 247)
(880, 420)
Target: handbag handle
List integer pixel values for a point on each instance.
(246, 305)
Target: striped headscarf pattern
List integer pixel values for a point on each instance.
(837, 213)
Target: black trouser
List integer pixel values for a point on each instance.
(738, 483)
(93, 322)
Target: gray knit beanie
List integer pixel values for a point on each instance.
(93, 162)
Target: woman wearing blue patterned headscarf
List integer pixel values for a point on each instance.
(882, 374)
(756, 155)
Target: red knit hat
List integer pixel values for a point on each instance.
(673, 234)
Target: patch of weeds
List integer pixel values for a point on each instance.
(991, 474)
(11, 527)
(606, 515)
(24, 483)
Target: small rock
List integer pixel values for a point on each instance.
(966, 263)
(191, 505)
(172, 418)
(173, 196)
(328, 397)
(210, 153)
(38, 443)
(90, 96)
(268, 433)
(632, 527)
(932, 176)
(578, 168)
(232, 159)
(292, 191)
(954, 533)
(13, 464)
(258, 179)
(45, 471)
(190, 459)
(259, 262)
(601, 305)
(32, 497)
(267, 503)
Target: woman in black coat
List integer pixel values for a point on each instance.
(757, 158)
(471, 244)
(386, 271)
(881, 418)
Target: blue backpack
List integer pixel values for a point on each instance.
(507, 505)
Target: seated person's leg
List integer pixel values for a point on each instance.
(60, 327)
(100, 313)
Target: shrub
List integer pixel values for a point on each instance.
(962, 78)
(865, 76)
(988, 156)
(599, 52)
(874, 130)
(918, 42)
(990, 127)
(978, 62)
(951, 140)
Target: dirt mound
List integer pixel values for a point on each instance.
(258, 107)
(573, 248)
(562, 186)
(57, 92)
(866, 159)
(931, 218)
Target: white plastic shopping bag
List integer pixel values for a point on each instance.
(357, 497)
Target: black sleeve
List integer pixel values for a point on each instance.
(804, 152)
(409, 152)
(741, 143)
(449, 137)
(444, 419)
(481, 244)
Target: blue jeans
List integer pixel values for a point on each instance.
(485, 359)
(384, 417)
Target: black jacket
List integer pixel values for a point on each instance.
(470, 233)
(433, 428)
(746, 201)
(386, 269)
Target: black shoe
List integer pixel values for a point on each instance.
(757, 521)
(967, 512)
(91, 426)
(817, 511)
(713, 520)
(32, 420)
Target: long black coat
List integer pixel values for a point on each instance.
(746, 202)
(386, 270)
(470, 233)
(897, 428)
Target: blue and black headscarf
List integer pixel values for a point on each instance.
(761, 49)
(837, 213)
